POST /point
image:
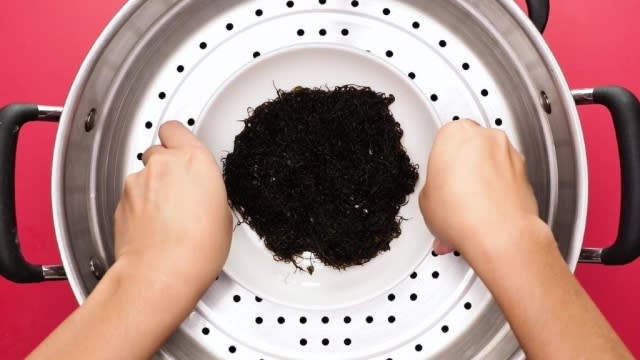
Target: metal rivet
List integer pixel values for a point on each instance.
(91, 120)
(544, 101)
(96, 268)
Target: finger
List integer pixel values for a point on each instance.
(518, 162)
(152, 151)
(468, 122)
(440, 247)
(456, 126)
(175, 135)
(533, 204)
(131, 183)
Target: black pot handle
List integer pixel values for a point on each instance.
(625, 111)
(539, 13)
(12, 264)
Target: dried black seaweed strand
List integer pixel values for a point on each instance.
(321, 170)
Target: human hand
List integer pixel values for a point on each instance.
(476, 189)
(173, 222)
(477, 199)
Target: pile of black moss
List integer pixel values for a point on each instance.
(323, 171)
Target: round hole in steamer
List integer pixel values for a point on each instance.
(391, 297)
(162, 95)
(290, 4)
(386, 11)
(484, 92)
(258, 299)
(322, 2)
(435, 274)
(256, 54)
(389, 53)
(433, 253)
(498, 122)
(139, 156)
(369, 319)
(203, 45)
(442, 43)
(413, 275)
(344, 32)
(325, 341)
(412, 75)
(205, 331)
(444, 329)
(303, 342)
(191, 122)
(229, 26)
(355, 3)
(259, 320)
(416, 25)
(259, 12)
(281, 320)
(456, 117)
(303, 320)
(347, 319)
(465, 66)
(413, 297)
(300, 32)
(180, 68)
(232, 349)
(434, 97)
(391, 319)
(418, 347)
(236, 298)
(322, 32)
(347, 341)
(456, 253)
(148, 125)
(467, 305)
(325, 320)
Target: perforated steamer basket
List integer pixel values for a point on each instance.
(204, 62)
(183, 57)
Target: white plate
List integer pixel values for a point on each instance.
(315, 65)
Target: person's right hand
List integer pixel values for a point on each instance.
(477, 199)
(476, 188)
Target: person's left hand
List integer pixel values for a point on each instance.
(173, 221)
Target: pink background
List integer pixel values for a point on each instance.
(44, 42)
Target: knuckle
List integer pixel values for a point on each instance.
(130, 182)
(195, 154)
(118, 211)
(469, 123)
(500, 137)
(521, 162)
(460, 128)
(129, 190)
(423, 197)
(451, 130)
(156, 165)
(448, 126)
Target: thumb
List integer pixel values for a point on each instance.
(175, 135)
(441, 247)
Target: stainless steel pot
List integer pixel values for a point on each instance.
(474, 58)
